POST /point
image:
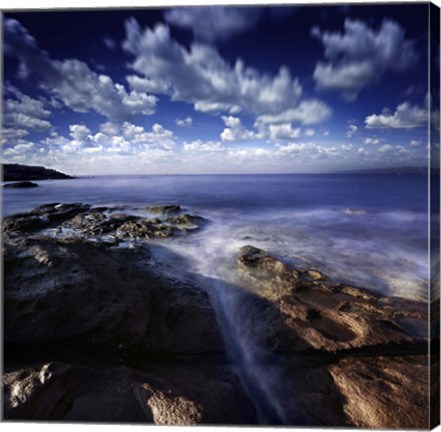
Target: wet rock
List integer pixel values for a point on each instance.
(165, 392)
(313, 313)
(88, 297)
(187, 220)
(45, 216)
(165, 209)
(20, 185)
(352, 358)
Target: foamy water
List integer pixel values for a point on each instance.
(365, 230)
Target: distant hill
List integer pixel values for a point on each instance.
(394, 171)
(16, 172)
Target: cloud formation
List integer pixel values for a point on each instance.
(200, 76)
(72, 81)
(214, 23)
(405, 116)
(360, 56)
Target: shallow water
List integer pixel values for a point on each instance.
(368, 230)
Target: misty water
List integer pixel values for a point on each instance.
(366, 230)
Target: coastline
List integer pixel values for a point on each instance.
(298, 321)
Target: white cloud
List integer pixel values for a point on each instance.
(309, 132)
(415, 143)
(72, 81)
(346, 147)
(22, 114)
(351, 130)
(362, 151)
(200, 76)
(385, 148)
(371, 141)
(199, 146)
(214, 23)
(404, 117)
(187, 121)
(283, 131)
(308, 112)
(360, 56)
(235, 131)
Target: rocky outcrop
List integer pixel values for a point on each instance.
(165, 393)
(20, 185)
(16, 172)
(97, 331)
(86, 221)
(344, 347)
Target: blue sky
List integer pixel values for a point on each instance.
(217, 89)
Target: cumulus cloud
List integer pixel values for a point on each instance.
(385, 148)
(214, 23)
(309, 132)
(283, 131)
(72, 81)
(360, 56)
(405, 116)
(351, 130)
(235, 131)
(371, 141)
(187, 121)
(306, 150)
(200, 76)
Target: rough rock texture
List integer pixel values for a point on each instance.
(362, 355)
(167, 393)
(20, 185)
(91, 296)
(97, 331)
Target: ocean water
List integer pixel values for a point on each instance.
(367, 230)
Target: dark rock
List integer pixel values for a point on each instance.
(166, 393)
(187, 220)
(45, 216)
(88, 297)
(165, 209)
(16, 172)
(20, 185)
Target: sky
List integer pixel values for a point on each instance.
(225, 89)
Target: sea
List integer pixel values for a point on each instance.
(367, 230)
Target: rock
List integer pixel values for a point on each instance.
(310, 312)
(350, 357)
(16, 172)
(187, 220)
(384, 392)
(89, 297)
(20, 185)
(165, 209)
(45, 216)
(165, 392)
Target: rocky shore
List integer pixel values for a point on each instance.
(96, 329)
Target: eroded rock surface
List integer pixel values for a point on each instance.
(344, 347)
